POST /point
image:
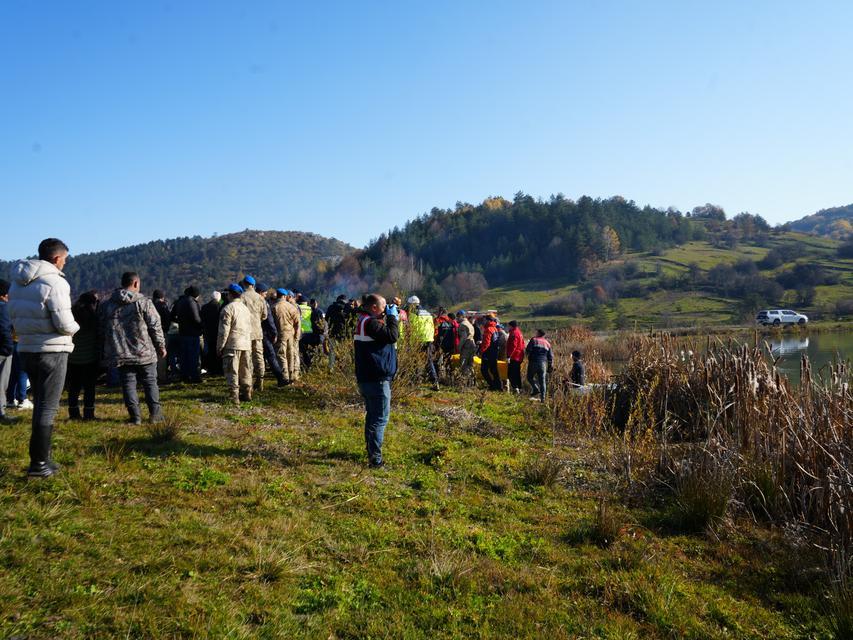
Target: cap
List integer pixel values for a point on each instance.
(281, 291)
(342, 297)
(249, 280)
(461, 312)
(413, 300)
(261, 287)
(235, 288)
(216, 295)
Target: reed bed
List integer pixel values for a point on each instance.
(729, 416)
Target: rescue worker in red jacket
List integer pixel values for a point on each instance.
(514, 356)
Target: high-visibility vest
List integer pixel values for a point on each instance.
(305, 312)
(422, 325)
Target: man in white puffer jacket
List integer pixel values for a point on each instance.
(40, 308)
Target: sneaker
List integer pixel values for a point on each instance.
(26, 405)
(42, 470)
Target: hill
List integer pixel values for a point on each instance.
(283, 258)
(836, 222)
(454, 253)
(697, 283)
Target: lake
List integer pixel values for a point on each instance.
(821, 349)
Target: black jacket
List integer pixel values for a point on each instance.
(210, 318)
(6, 343)
(165, 314)
(336, 318)
(188, 316)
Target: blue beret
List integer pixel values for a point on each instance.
(261, 287)
(281, 292)
(249, 280)
(234, 287)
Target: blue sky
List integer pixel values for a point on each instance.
(123, 122)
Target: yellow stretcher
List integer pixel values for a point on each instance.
(454, 362)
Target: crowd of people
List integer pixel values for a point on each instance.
(241, 332)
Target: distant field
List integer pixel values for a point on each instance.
(678, 308)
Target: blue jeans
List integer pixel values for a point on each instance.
(377, 405)
(190, 354)
(131, 375)
(17, 389)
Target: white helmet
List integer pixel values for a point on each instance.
(413, 300)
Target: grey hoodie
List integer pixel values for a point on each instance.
(131, 329)
(40, 308)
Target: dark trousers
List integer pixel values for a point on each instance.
(489, 369)
(146, 374)
(211, 362)
(81, 377)
(190, 353)
(308, 344)
(429, 350)
(537, 376)
(513, 372)
(47, 379)
(272, 359)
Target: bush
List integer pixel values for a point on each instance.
(543, 471)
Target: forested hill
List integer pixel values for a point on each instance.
(281, 258)
(836, 222)
(469, 248)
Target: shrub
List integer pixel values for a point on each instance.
(543, 471)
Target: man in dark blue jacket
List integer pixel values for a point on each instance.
(270, 334)
(376, 334)
(540, 362)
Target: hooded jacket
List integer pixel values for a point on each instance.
(40, 308)
(187, 314)
(131, 330)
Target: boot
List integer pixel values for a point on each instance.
(88, 413)
(259, 384)
(74, 413)
(235, 398)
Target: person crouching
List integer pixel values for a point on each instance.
(234, 344)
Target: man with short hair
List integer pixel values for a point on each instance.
(578, 373)
(133, 342)
(376, 334)
(234, 343)
(288, 324)
(7, 346)
(540, 362)
(187, 314)
(257, 306)
(40, 310)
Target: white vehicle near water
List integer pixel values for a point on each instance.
(779, 317)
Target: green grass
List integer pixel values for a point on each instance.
(265, 522)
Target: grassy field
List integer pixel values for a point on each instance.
(677, 308)
(264, 522)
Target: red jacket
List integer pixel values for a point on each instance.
(515, 345)
(489, 330)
